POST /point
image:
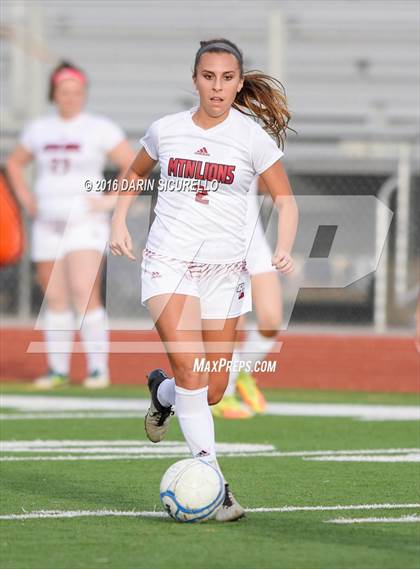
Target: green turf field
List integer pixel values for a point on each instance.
(89, 470)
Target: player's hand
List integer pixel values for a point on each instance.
(120, 241)
(282, 261)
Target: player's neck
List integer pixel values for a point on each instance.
(68, 116)
(205, 121)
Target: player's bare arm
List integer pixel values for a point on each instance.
(121, 156)
(276, 181)
(120, 241)
(16, 163)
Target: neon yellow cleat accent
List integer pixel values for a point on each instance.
(96, 380)
(230, 408)
(247, 388)
(51, 380)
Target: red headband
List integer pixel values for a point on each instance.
(68, 73)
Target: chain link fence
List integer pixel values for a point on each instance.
(20, 296)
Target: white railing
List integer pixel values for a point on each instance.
(404, 293)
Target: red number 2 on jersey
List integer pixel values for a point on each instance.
(201, 195)
(60, 165)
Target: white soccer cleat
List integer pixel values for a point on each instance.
(97, 380)
(230, 510)
(51, 380)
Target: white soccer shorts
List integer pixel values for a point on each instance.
(224, 290)
(52, 240)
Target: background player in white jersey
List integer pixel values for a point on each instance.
(194, 276)
(70, 226)
(267, 303)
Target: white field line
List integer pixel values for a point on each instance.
(104, 450)
(403, 519)
(350, 452)
(76, 457)
(52, 405)
(39, 444)
(116, 456)
(59, 443)
(74, 450)
(410, 457)
(60, 403)
(386, 506)
(122, 445)
(346, 410)
(42, 514)
(41, 415)
(134, 448)
(182, 449)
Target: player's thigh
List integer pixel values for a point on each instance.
(84, 269)
(219, 342)
(267, 301)
(177, 318)
(51, 276)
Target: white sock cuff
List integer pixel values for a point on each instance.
(196, 421)
(94, 315)
(256, 335)
(166, 392)
(190, 392)
(58, 320)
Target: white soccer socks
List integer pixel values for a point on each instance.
(196, 421)
(166, 392)
(95, 337)
(233, 374)
(59, 334)
(256, 347)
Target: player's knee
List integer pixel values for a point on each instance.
(269, 325)
(269, 332)
(80, 297)
(214, 396)
(57, 302)
(187, 378)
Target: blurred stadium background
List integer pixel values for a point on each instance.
(351, 70)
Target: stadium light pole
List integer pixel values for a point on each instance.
(277, 45)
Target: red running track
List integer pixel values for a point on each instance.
(306, 361)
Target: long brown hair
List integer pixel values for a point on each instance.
(261, 96)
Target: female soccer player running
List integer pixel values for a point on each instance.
(69, 148)
(194, 277)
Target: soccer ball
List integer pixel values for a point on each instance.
(192, 490)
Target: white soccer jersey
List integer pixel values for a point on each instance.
(207, 225)
(67, 153)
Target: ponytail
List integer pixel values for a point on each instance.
(264, 97)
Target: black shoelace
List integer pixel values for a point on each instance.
(162, 416)
(227, 502)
